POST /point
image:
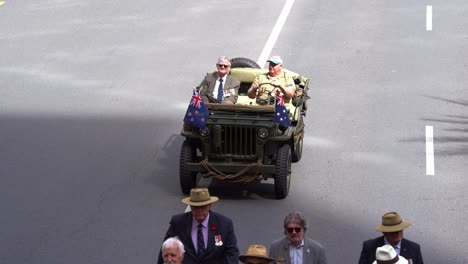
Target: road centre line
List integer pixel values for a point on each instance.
(275, 33)
(2, 2)
(428, 18)
(429, 150)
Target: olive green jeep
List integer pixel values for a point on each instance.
(240, 142)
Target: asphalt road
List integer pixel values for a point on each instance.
(93, 93)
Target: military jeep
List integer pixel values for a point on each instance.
(240, 142)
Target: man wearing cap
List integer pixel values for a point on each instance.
(220, 86)
(392, 228)
(264, 85)
(295, 248)
(208, 236)
(256, 254)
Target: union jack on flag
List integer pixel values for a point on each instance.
(197, 113)
(196, 99)
(281, 113)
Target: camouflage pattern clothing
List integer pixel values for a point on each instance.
(264, 83)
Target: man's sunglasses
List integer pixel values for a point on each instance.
(223, 65)
(297, 229)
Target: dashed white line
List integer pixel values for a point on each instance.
(428, 18)
(275, 33)
(430, 150)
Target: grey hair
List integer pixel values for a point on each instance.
(224, 58)
(297, 218)
(173, 241)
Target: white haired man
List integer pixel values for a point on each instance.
(220, 86)
(172, 251)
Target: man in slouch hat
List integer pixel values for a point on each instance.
(392, 227)
(208, 236)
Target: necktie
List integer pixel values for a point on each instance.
(200, 242)
(220, 91)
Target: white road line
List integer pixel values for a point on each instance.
(275, 33)
(429, 150)
(428, 18)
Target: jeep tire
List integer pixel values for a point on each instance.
(297, 153)
(282, 171)
(188, 179)
(243, 63)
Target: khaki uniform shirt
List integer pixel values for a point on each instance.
(263, 81)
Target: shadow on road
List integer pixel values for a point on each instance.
(451, 134)
(83, 187)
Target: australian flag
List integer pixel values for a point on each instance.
(196, 114)
(281, 113)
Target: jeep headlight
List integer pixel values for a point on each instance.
(204, 131)
(262, 133)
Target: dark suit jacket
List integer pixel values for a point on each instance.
(409, 250)
(227, 253)
(313, 252)
(208, 85)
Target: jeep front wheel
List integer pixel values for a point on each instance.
(188, 179)
(282, 171)
(297, 154)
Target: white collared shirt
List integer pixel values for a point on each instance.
(215, 90)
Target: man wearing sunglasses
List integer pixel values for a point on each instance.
(264, 86)
(220, 86)
(295, 248)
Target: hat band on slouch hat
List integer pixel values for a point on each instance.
(393, 224)
(392, 261)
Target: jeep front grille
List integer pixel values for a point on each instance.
(235, 141)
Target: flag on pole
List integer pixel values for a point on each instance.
(281, 113)
(197, 113)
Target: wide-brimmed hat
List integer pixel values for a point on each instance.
(199, 197)
(276, 60)
(387, 255)
(256, 251)
(392, 222)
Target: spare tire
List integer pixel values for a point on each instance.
(243, 63)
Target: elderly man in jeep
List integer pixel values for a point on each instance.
(264, 85)
(220, 86)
